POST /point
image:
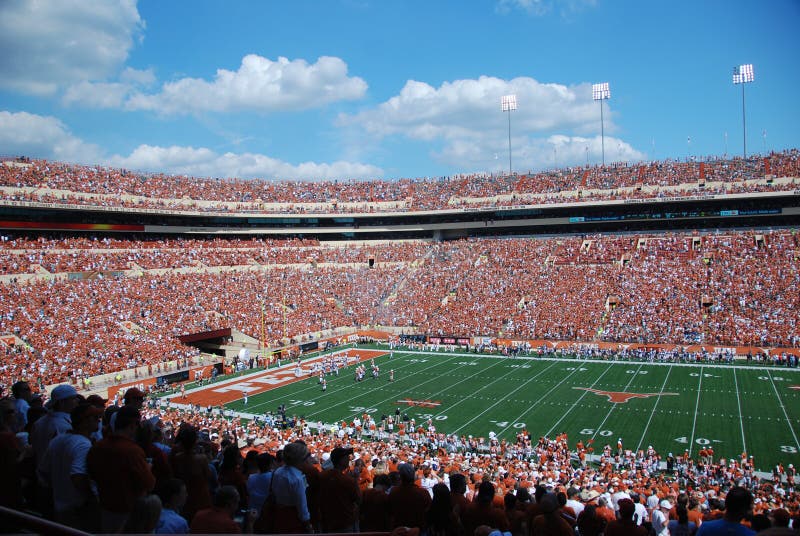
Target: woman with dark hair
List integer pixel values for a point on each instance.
(231, 473)
(442, 521)
(682, 526)
(191, 467)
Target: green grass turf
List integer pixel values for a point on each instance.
(733, 409)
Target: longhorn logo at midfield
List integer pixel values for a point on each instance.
(420, 403)
(618, 397)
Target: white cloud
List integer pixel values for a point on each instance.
(49, 44)
(259, 84)
(543, 7)
(203, 162)
(464, 116)
(38, 136)
(468, 108)
(107, 94)
(43, 137)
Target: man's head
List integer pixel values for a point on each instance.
(63, 398)
(340, 457)
(626, 509)
(173, 494)
(295, 453)
(738, 503)
(485, 492)
(21, 390)
(458, 483)
(85, 418)
(127, 421)
(134, 397)
(227, 498)
(407, 473)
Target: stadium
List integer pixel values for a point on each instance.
(309, 294)
(664, 323)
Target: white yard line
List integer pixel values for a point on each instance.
(696, 407)
(739, 402)
(658, 399)
(783, 408)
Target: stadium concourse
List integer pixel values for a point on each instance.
(80, 307)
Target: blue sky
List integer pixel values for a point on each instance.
(389, 89)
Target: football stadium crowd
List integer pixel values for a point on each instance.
(736, 288)
(55, 182)
(140, 467)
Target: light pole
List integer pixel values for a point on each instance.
(601, 92)
(743, 74)
(508, 103)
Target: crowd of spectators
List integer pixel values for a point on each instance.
(19, 255)
(143, 467)
(54, 182)
(732, 289)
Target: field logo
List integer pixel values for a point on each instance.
(420, 403)
(795, 387)
(619, 397)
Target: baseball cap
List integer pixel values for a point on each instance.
(665, 504)
(62, 392)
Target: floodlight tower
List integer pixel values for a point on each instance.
(508, 103)
(743, 74)
(601, 92)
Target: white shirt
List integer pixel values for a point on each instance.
(577, 506)
(64, 457)
(639, 513)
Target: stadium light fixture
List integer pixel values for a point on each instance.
(601, 92)
(743, 74)
(508, 103)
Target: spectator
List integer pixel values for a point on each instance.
(64, 470)
(738, 504)
(550, 522)
(483, 512)
(192, 467)
(682, 526)
(21, 391)
(118, 467)
(408, 503)
(375, 505)
(173, 498)
(63, 399)
(441, 520)
(291, 514)
(219, 519)
(258, 484)
(145, 515)
(339, 494)
(626, 525)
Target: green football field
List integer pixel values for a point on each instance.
(673, 407)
